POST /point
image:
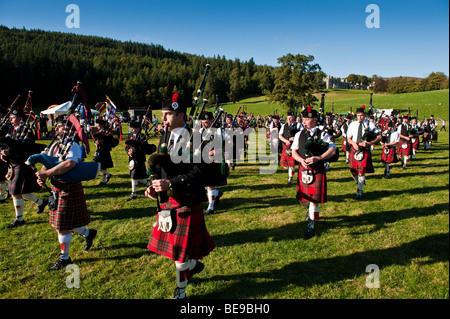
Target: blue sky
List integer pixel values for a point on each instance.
(413, 38)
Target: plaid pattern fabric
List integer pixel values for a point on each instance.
(190, 239)
(23, 180)
(71, 211)
(315, 192)
(391, 157)
(360, 167)
(344, 144)
(404, 151)
(416, 144)
(287, 160)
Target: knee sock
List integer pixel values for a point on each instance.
(134, 186)
(291, 172)
(361, 180)
(81, 231)
(405, 160)
(64, 245)
(18, 207)
(183, 276)
(388, 169)
(32, 198)
(212, 194)
(313, 211)
(104, 175)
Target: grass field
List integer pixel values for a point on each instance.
(402, 226)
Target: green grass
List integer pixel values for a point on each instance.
(401, 225)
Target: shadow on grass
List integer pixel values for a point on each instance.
(327, 270)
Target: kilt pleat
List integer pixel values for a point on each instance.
(71, 211)
(23, 180)
(189, 239)
(315, 192)
(404, 151)
(287, 160)
(361, 167)
(391, 157)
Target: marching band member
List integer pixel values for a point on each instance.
(415, 137)
(190, 240)
(389, 141)
(405, 141)
(214, 194)
(360, 157)
(312, 180)
(286, 135)
(136, 150)
(344, 129)
(69, 213)
(104, 143)
(22, 183)
(230, 150)
(4, 193)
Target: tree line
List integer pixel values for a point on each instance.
(396, 85)
(131, 74)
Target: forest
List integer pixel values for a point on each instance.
(131, 74)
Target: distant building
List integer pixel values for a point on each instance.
(332, 82)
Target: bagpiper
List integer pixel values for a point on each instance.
(389, 141)
(404, 144)
(360, 139)
(286, 136)
(311, 148)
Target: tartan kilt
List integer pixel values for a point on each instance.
(416, 144)
(71, 211)
(344, 144)
(391, 157)
(139, 171)
(360, 167)
(189, 239)
(287, 160)
(426, 137)
(315, 192)
(403, 152)
(23, 180)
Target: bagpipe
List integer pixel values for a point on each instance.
(5, 118)
(50, 157)
(315, 146)
(369, 136)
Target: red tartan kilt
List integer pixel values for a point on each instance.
(416, 144)
(391, 157)
(190, 239)
(360, 167)
(344, 146)
(315, 192)
(287, 160)
(71, 211)
(403, 152)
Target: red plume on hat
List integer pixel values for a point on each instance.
(175, 97)
(309, 108)
(363, 107)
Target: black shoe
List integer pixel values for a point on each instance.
(60, 263)
(387, 176)
(199, 266)
(178, 292)
(90, 238)
(42, 206)
(289, 183)
(403, 167)
(132, 197)
(209, 211)
(16, 223)
(309, 233)
(358, 196)
(108, 177)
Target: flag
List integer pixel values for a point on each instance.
(81, 134)
(101, 107)
(110, 110)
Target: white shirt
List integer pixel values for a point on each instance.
(394, 138)
(324, 136)
(352, 131)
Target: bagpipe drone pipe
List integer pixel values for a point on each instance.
(315, 146)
